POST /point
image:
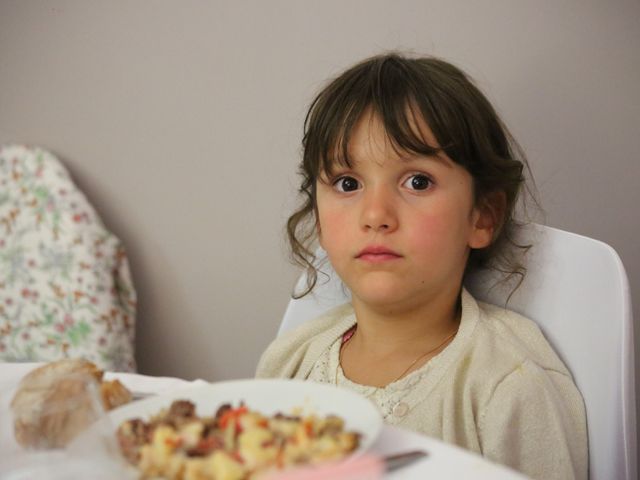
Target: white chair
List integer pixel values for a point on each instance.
(576, 289)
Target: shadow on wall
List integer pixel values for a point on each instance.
(150, 337)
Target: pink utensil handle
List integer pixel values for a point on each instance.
(366, 467)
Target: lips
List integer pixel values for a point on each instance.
(377, 253)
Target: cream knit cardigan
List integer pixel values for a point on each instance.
(498, 389)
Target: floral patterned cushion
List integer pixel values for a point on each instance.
(65, 285)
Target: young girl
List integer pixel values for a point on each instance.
(410, 180)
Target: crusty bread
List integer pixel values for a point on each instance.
(114, 394)
(56, 401)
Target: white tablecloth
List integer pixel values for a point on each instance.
(443, 462)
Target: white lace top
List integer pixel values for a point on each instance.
(389, 399)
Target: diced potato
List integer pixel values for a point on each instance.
(195, 470)
(325, 448)
(191, 433)
(252, 420)
(154, 458)
(256, 447)
(222, 467)
(285, 426)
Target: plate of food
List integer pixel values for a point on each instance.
(243, 428)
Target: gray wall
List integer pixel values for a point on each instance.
(182, 122)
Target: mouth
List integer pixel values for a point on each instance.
(377, 254)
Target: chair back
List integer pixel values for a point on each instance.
(576, 289)
(66, 285)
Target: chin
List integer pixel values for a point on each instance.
(380, 294)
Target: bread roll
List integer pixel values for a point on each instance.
(56, 401)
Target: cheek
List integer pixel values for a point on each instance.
(435, 233)
(331, 229)
(427, 232)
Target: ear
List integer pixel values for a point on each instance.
(487, 218)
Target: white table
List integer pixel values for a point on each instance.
(443, 462)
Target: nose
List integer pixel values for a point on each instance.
(379, 210)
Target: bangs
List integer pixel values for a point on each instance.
(387, 89)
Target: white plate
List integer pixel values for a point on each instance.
(269, 397)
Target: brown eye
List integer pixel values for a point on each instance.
(346, 184)
(418, 182)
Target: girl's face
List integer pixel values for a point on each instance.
(398, 227)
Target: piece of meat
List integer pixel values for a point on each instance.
(182, 408)
(205, 446)
(222, 409)
(132, 435)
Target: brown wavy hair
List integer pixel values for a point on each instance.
(465, 124)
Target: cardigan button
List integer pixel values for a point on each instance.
(400, 409)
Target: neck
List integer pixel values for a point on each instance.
(386, 329)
